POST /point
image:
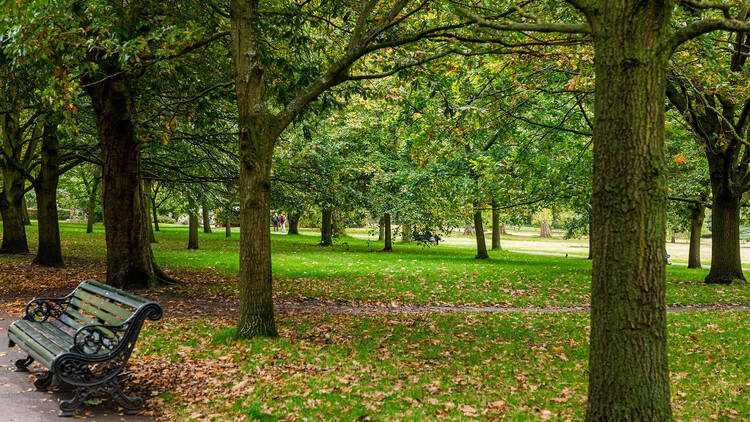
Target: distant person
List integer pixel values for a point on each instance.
(275, 221)
(282, 221)
(666, 257)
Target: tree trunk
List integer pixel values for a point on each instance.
(673, 240)
(294, 223)
(11, 204)
(479, 230)
(726, 265)
(228, 227)
(387, 225)
(696, 226)
(192, 226)
(256, 141)
(25, 212)
(91, 218)
(49, 252)
(381, 230)
(129, 258)
(206, 218)
(503, 229)
(406, 235)
(468, 230)
(496, 230)
(326, 229)
(148, 206)
(628, 369)
(155, 214)
(544, 230)
(591, 237)
(337, 228)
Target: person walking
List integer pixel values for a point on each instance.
(282, 221)
(275, 221)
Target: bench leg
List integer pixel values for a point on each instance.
(22, 365)
(43, 381)
(132, 405)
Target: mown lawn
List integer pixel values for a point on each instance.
(455, 366)
(355, 270)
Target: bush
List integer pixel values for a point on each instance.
(166, 219)
(62, 214)
(32, 213)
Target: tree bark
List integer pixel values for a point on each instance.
(468, 230)
(388, 247)
(206, 218)
(406, 235)
(25, 212)
(496, 230)
(129, 258)
(155, 214)
(326, 222)
(91, 218)
(294, 223)
(192, 226)
(479, 230)
(697, 215)
(544, 230)
(228, 227)
(337, 228)
(628, 370)
(591, 237)
(147, 184)
(256, 140)
(49, 251)
(11, 203)
(381, 230)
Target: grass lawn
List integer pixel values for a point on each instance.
(458, 366)
(455, 366)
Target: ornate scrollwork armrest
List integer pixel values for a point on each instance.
(95, 339)
(42, 309)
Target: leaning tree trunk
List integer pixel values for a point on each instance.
(496, 231)
(326, 229)
(387, 225)
(25, 212)
(11, 203)
(147, 198)
(129, 258)
(381, 229)
(697, 215)
(479, 230)
(49, 252)
(726, 265)
(206, 218)
(294, 223)
(628, 369)
(192, 227)
(91, 218)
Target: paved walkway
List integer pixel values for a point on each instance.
(20, 402)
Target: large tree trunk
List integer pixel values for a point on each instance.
(49, 252)
(129, 257)
(696, 226)
(544, 230)
(91, 218)
(496, 231)
(628, 370)
(206, 218)
(11, 203)
(387, 225)
(326, 229)
(479, 230)
(25, 212)
(147, 198)
(381, 229)
(294, 223)
(192, 226)
(726, 265)
(256, 141)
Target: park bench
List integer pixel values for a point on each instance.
(84, 339)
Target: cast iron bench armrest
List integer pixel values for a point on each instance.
(93, 339)
(41, 309)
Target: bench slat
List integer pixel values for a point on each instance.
(113, 293)
(60, 338)
(27, 340)
(75, 315)
(54, 344)
(96, 311)
(64, 327)
(105, 304)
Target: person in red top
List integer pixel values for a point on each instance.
(282, 221)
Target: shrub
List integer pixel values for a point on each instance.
(166, 219)
(62, 214)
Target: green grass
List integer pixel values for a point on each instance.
(516, 367)
(355, 270)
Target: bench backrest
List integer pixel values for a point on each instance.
(96, 303)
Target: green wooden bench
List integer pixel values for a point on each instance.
(84, 339)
